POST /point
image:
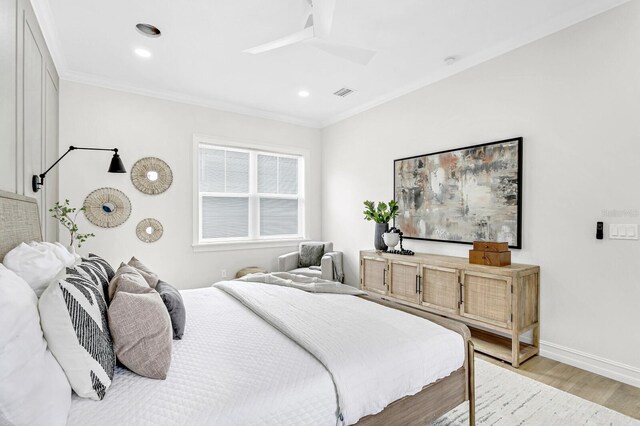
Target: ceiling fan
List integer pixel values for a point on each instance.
(316, 32)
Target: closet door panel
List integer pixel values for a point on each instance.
(36, 96)
(33, 112)
(51, 189)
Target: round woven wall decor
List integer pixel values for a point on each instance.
(151, 175)
(149, 230)
(107, 207)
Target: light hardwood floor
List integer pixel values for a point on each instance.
(593, 387)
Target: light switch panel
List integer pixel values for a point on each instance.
(632, 231)
(620, 231)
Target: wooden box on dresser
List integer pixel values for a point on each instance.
(497, 301)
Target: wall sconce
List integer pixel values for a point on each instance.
(116, 165)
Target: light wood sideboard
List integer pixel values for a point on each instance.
(494, 301)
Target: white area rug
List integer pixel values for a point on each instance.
(505, 398)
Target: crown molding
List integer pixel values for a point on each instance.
(44, 16)
(560, 23)
(572, 17)
(186, 99)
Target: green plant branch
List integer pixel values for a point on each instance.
(382, 213)
(67, 216)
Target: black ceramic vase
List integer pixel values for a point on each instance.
(378, 242)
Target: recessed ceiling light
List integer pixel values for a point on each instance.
(303, 94)
(143, 53)
(450, 60)
(148, 30)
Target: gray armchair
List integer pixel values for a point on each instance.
(328, 270)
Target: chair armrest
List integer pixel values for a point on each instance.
(287, 262)
(326, 266)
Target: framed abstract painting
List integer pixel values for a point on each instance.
(462, 195)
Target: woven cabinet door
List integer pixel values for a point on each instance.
(373, 274)
(441, 288)
(403, 280)
(486, 298)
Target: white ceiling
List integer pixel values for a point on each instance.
(199, 57)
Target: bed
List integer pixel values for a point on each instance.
(234, 367)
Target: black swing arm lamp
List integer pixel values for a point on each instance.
(116, 165)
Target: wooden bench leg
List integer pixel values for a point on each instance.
(515, 349)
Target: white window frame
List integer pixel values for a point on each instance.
(254, 240)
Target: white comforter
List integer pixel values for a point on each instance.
(374, 354)
(230, 368)
(233, 368)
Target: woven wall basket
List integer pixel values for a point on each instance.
(149, 230)
(151, 175)
(107, 207)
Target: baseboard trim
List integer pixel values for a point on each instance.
(595, 364)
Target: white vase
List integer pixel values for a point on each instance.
(391, 239)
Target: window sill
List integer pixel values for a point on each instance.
(246, 245)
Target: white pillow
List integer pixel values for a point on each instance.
(38, 267)
(33, 387)
(68, 259)
(73, 315)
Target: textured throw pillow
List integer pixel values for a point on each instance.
(73, 315)
(175, 305)
(33, 387)
(98, 271)
(149, 276)
(141, 328)
(100, 263)
(310, 255)
(129, 279)
(38, 267)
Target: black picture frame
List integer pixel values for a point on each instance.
(519, 141)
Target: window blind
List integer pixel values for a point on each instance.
(278, 216)
(277, 175)
(224, 171)
(225, 217)
(248, 194)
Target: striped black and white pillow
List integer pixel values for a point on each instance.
(73, 315)
(98, 270)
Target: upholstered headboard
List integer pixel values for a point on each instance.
(19, 221)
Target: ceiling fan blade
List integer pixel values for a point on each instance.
(323, 11)
(294, 38)
(358, 55)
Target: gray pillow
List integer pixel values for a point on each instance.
(175, 305)
(310, 255)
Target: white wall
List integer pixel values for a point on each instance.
(141, 126)
(575, 98)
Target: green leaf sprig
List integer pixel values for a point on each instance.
(67, 216)
(382, 213)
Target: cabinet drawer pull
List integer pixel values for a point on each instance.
(417, 284)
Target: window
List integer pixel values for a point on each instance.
(249, 195)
